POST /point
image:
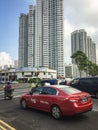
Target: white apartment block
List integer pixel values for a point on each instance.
(49, 34)
(15, 63)
(31, 36)
(71, 71)
(91, 50)
(39, 33)
(68, 71)
(80, 41)
(45, 36)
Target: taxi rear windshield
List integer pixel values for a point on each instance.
(70, 90)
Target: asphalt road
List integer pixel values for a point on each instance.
(31, 119)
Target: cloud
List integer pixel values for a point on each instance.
(68, 28)
(80, 15)
(5, 59)
(77, 15)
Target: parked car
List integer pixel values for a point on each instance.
(59, 100)
(2, 82)
(89, 85)
(14, 82)
(49, 82)
(44, 81)
(8, 82)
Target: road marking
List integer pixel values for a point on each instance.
(16, 96)
(95, 110)
(5, 126)
(2, 128)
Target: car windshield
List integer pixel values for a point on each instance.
(70, 90)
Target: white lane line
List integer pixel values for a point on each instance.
(96, 110)
(17, 96)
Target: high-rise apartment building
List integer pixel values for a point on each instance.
(23, 41)
(39, 33)
(91, 50)
(31, 36)
(80, 41)
(56, 35)
(45, 35)
(15, 63)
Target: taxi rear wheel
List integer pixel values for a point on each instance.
(24, 104)
(56, 112)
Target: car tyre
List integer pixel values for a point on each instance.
(56, 112)
(24, 104)
(96, 95)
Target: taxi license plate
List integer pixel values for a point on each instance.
(84, 99)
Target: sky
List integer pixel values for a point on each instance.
(77, 15)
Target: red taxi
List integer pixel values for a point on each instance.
(59, 100)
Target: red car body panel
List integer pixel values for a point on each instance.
(70, 104)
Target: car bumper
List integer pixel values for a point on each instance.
(74, 110)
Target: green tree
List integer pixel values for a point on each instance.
(92, 69)
(34, 80)
(84, 64)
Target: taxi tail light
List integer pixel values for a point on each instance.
(89, 96)
(74, 99)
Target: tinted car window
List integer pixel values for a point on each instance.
(75, 81)
(40, 84)
(89, 81)
(95, 80)
(37, 91)
(50, 91)
(85, 81)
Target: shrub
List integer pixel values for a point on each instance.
(34, 80)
